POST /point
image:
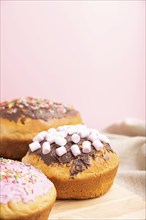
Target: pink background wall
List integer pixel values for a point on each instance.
(87, 54)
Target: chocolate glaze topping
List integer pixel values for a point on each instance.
(77, 164)
(34, 108)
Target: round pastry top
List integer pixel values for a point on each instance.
(73, 145)
(35, 108)
(21, 181)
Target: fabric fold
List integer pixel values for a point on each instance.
(128, 140)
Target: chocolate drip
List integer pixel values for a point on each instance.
(76, 164)
(108, 148)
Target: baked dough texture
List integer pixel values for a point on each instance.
(26, 193)
(86, 175)
(21, 119)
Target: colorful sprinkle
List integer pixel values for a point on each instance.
(21, 181)
(34, 108)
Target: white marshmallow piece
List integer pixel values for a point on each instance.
(75, 138)
(61, 133)
(60, 141)
(93, 131)
(75, 150)
(46, 148)
(80, 127)
(43, 133)
(61, 151)
(34, 146)
(52, 130)
(92, 137)
(50, 138)
(60, 128)
(86, 147)
(97, 144)
(71, 129)
(39, 137)
(103, 138)
(83, 133)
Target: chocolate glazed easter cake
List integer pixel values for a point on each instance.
(78, 160)
(21, 119)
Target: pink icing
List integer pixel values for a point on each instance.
(21, 181)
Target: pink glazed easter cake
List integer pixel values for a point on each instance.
(26, 193)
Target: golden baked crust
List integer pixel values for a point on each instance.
(38, 209)
(21, 120)
(92, 182)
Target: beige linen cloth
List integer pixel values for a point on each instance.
(128, 140)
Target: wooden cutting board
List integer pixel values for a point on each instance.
(118, 203)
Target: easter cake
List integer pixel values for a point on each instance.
(26, 193)
(21, 119)
(78, 160)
